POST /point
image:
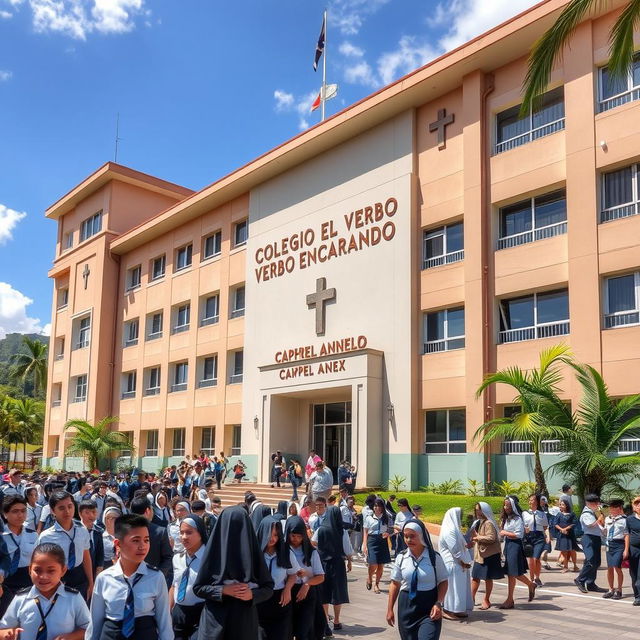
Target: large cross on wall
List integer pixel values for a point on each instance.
(440, 125)
(317, 301)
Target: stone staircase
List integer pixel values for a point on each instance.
(231, 494)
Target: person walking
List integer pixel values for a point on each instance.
(566, 543)
(633, 524)
(486, 553)
(536, 535)
(321, 481)
(277, 462)
(592, 521)
(296, 477)
(377, 528)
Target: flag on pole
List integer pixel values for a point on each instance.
(316, 102)
(320, 45)
(330, 91)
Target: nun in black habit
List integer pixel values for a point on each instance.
(233, 579)
(282, 511)
(260, 512)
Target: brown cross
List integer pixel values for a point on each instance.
(85, 275)
(318, 300)
(440, 126)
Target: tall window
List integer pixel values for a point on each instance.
(446, 431)
(212, 245)
(158, 267)
(67, 241)
(514, 130)
(129, 385)
(131, 330)
(443, 245)
(209, 371)
(63, 298)
(615, 91)
(443, 330)
(154, 326)
(237, 304)
(622, 300)
(210, 310)
(59, 348)
(208, 440)
(151, 448)
(620, 193)
(184, 256)
(533, 219)
(56, 394)
(81, 389)
(153, 382)
(539, 315)
(84, 332)
(236, 440)
(240, 233)
(91, 226)
(180, 376)
(182, 318)
(134, 277)
(178, 442)
(236, 370)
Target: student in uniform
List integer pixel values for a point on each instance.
(419, 584)
(74, 538)
(19, 541)
(88, 515)
(181, 509)
(486, 553)
(100, 498)
(316, 518)
(48, 610)
(617, 542)
(110, 515)
(274, 615)
(633, 525)
(258, 514)
(33, 508)
(186, 606)
(282, 510)
(592, 521)
(565, 523)
(233, 579)
(536, 533)
(130, 600)
(161, 511)
(377, 529)
(404, 514)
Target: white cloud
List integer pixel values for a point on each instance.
(284, 100)
(349, 15)
(409, 55)
(350, 50)
(5, 75)
(9, 218)
(301, 105)
(5, 15)
(361, 73)
(13, 313)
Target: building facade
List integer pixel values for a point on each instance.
(349, 290)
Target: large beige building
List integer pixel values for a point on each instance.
(349, 289)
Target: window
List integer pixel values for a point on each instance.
(81, 389)
(514, 130)
(59, 348)
(91, 226)
(615, 91)
(126, 453)
(443, 245)
(56, 394)
(153, 382)
(178, 442)
(237, 304)
(235, 375)
(182, 315)
(446, 431)
(443, 330)
(184, 256)
(158, 267)
(236, 440)
(620, 193)
(63, 298)
(134, 278)
(84, 332)
(210, 310)
(240, 234)
(55, 446)
(154, 326)
(622, 300)
(180, 376)
(539, 315)
(533, 219)
(129, 385)
(131, 329)
(208, 441)
(212, 245)
(67, 241)
(209, 372)
(152, 443)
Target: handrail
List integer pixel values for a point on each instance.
(529, 136)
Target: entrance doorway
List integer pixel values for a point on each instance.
(332, 432)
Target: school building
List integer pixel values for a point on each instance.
(349, 290)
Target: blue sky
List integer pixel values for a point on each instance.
(202, 87)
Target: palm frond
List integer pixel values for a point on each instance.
(621, 47)
(512, 376)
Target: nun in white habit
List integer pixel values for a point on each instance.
(457, 559)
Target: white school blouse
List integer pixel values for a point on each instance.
(26, 541)
(78, 533)
(180, 561)
(540, 518)
(616, 527)
(315, 569)
(514, 525)
(374, 526)
(404, 567)
(280, 574)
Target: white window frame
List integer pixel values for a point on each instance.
(207, 320)
(180, 376)
(134, 278)
(130, 382)
(56, 394)
(446, 257)
(151, 334)
(213, 380)
(236, 440)
(179, 434)
(625, 209)
(238, 312)
(59, 348)
(210, 432)
(131, 332)
(68, 241)
(184, 326)
(188, 261)
(163, 262)
(81, 388)
(155, 389)
(91, 226)
(238, 225)
(64, 295)
(436, 346)
(617, 318)
(212, 236)
(234, 376)
(152, 437)
(630, 95)
(448, 442)
(84, 333)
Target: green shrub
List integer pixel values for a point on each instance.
(475, 487)
(396, 483)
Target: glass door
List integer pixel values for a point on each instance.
(332, 432)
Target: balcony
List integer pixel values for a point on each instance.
(59, 356)
(621, 98)
(529, 136)
(621, 211)
(450, 344)
(209, 382)
(207, 321)
(547, 330)
(447, 258)
(56, 403)
(152, 391)
(523, 447)
(235, 379)
(532, 236)
(150, 453)
(621, 319)
(131, 343)
(77, 399)
(154, 336)
(180, 328)
(237, 313)
(629, 445)
(127, 395)
(178, 386)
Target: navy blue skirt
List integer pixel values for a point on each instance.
(414, 622)
(537, 541)
(615, 551)
(377, 550)
(490, 569)
(515, 564)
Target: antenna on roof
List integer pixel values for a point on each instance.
(115, 155)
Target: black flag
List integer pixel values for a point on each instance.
(320, 45)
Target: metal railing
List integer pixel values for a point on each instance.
(448, 344)
(179, 328)
(447, 258)
(534, 235)
(128, 394)
(59, 356)
(154, 336)
(209, 382)
(207, 321)
(131, 343)
(621, 98)
(235, 451)
(152, 391)
(179, 386)
(237, 313)
(56, 403)
(629, 445)
(82, 344)
(79, 399)
(523, 447)
(177, 452)
(150, 452)
(621, 318)
(621, 211)
(533, 134)
(235, 379)
(547, 330)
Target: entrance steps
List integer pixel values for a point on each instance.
(233, 493)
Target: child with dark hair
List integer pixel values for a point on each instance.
(88, 511)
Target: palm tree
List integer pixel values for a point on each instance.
(10, 431)
(543, 415)
(591, 447)
(31, 365)
(96, 442)
(28, 415)
(548, 49)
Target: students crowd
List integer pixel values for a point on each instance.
(117, 557)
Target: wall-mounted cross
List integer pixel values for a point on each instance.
(85, 275)
(317, 300)
(440, 125)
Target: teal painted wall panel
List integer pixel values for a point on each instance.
(251, 462)
(519, 468)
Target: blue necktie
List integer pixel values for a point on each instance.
(15, 558)
(71, 560)
(184, 581)
(413, 589)
(129, 614)
(42, 629)
(611, 530)
(535, 528)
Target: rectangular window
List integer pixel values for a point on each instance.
(178, 442)
(151, 448)
(443, 245)
(59, 348)
(237, 303)
(622, 300)
(68, 240)
(180, 376)
(182, 318)
(539, 315)
(63, 298)
(134, 278)
(620, 193)
(209, 372)
(131, 329)
(154, 326)
(615, 90)
(514, 130)
(446, 431)
(81, 389)
(184, 256)
(236, 442)
(91, 226)
(240, 233)
(212, 245)
(208, 440)
(153, 382)
(56, 395)
(533, 219)
(235, 375)
(129, 387)
(443, 330)
(210, 310)
(84, 333)
(158, 267)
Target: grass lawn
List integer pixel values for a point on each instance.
(434, 506)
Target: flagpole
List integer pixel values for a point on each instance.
(324, 68)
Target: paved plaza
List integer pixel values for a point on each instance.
(559, 610)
